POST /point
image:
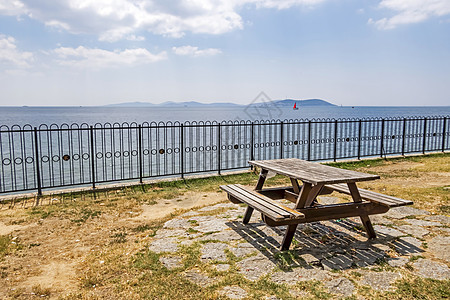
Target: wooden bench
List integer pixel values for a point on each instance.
(375, 197)
(277, 213)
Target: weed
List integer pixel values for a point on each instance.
(40, 291)
(119, 238)
(421, 288)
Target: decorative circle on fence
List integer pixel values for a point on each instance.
(347, 139)
(230, 147)
(108, 154)
(214, 148)
(208, 148)
(187, 149)
(29, 160)
(295, 142)
(201, 148)
(117, 154)
(169, 151)
(236, 146)
(126, 153)
(146, 152)
(154, 151)
(55, 158)
(134, 153)
(6, 161)
(161, 151)
(76, 156)
(434, 133)
(99, 155)
(66, 157)
(85, 156)
(18, 160)
(248, 146)
(277, 143)
(393, 137)
(45, 158)
(224, 147)
(176, 150)
(194, 149)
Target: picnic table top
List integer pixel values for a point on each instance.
(312, 172)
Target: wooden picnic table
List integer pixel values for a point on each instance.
(317, 179)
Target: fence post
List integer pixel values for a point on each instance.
(359, 139)
(404, 137)
(382, 138)
(219, 149)
(335, 139)
(443, 134)
(92, 157)
(309, 140)
(424, 135)
(36, 160)
(281, 139)
(182, 150)
(140, 153)
(252, 146)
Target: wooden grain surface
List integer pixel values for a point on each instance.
(312, 172)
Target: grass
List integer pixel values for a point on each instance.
(121, 265)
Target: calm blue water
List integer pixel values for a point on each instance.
(91, 115)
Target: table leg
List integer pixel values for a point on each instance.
(364, 217)
(262, 179)
(288, 236)
(295, 185)
(303, 196)
(247, 215)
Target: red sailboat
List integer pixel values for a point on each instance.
(295, 106)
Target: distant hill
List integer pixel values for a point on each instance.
(280, 103)
(307, 102)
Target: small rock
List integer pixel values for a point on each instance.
(391, 232)
(310, 259)
(439, 218)
(416, 222)
(212, 226)
(379, 219)
(337, 262)
(221, 267)
(164, 245)
(300, 274)
(171, 263)
(223, 236)
(440, 247)
(255, 266)
(233, 292)
(380, 281)
(341, 286)
(398, 261)
(430, 269)
(177, 224)
(415, 231)
(197, 277)
(214, 251)
(407, 245)
(404, 211)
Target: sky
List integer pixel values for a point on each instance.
(347, 52)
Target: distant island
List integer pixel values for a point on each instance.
(280, 103)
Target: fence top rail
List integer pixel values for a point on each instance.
(177, 124)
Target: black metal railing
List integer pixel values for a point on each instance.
(52, 156)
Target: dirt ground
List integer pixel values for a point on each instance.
(52, 249)
(49, 251)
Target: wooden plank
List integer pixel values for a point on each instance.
(260, 199)
(312, 172)
(261, 203)
(261, 179)
(372, 196)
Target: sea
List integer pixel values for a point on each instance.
(36, 116)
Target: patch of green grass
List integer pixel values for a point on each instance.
(85, 214)
(119, 238)
(420, 288)
(314, 287)
(5, 242)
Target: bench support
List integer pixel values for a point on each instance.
(288, 236)
(247, 215)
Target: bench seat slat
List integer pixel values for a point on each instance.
(372, 196)
(261, 203)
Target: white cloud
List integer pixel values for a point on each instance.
(410, 11)
(114, 20)
(82, 57)
(195, 52)
(11, 56)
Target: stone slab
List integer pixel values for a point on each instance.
(380, 281)
(341, 286)
(255, 266)
(430, 269)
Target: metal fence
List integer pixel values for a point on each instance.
(52, 156)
